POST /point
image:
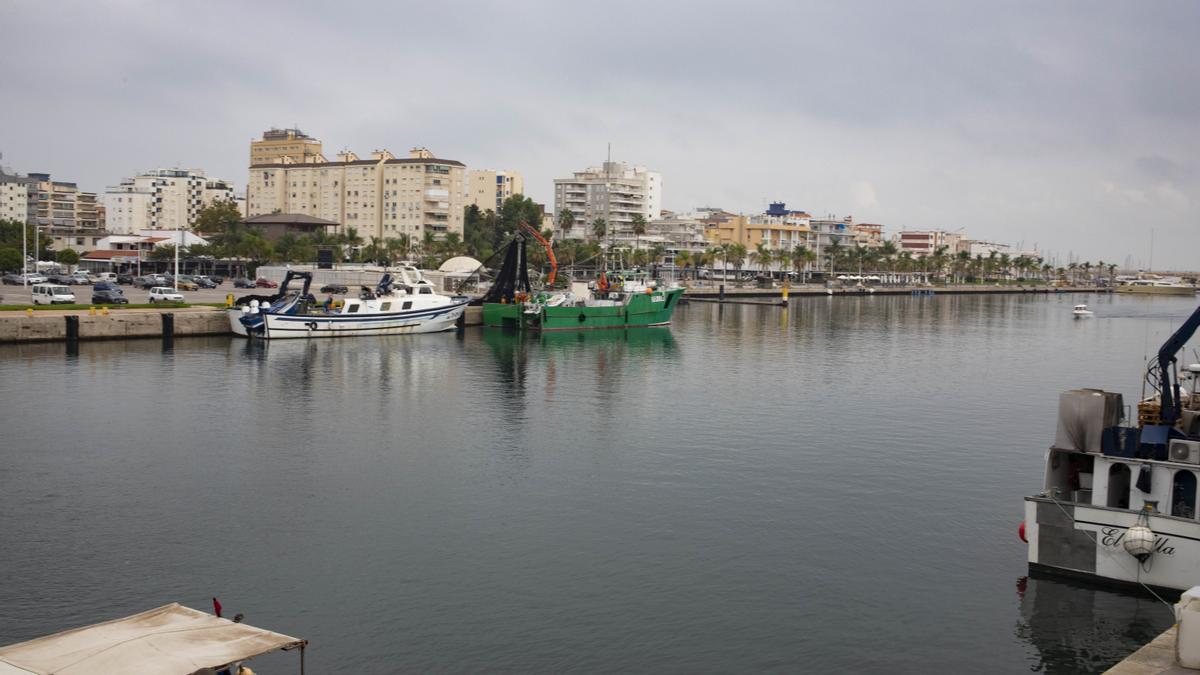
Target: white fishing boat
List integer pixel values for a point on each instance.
(1082, 312)
(409, 304)
(1119, 500)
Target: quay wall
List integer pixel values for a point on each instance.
(127, 324)
(117, 325)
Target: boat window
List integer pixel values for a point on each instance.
(351, 309)
(1118, 486)
(1183, 494)
(426, 289)
(385, 306)
(407, 304)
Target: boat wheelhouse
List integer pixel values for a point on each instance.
(1119, 499)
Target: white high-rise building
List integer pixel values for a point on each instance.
(163, 199)
(613, 191)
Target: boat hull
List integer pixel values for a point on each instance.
(1185, 291)
(1086, 540)
(295, 326)
(642, 309)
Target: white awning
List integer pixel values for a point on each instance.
(169, 640)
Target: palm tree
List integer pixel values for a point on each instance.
(681, 262)
(566, 220)
(783, 258)
(832, 253)
(699, 258)
(762, 255)
(599, 228)
(638, 225)
(738, 253)
(886, 252)
(802, 256)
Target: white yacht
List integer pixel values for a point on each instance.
(1082, 312)
(1119, 500)
(407, 305)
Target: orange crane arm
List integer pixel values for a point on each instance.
(549, 252)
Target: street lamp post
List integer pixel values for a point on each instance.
(25, 254)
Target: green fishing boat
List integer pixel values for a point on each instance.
(629, 299)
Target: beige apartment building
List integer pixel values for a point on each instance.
(487, 189)
(279, 143)
(384, 196)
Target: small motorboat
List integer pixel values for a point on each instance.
(1082, 312)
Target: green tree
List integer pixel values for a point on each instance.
(762, 256)
(10, 259)
(220, 216)
(68, 257)
(599, 228)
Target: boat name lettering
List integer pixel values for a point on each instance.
(1112, 536)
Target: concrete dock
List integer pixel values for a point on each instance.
(1157, 657)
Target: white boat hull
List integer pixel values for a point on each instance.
(1086, 540)
(293, 326)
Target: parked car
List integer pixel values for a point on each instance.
(52, 294)
(164, 294)
(81, 279)
(243, 282)
(334, 288)
(144, 282)
(104, 276)
(35, 278)
(217, 279)
(11, 279)
(265, 283)
(108, 297)
(203, 281)
(63, 279)
(106, 286)
(126, 279)
(187, 284)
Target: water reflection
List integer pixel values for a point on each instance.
(1074, 626)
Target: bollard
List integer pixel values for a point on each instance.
(168, 325)
(92, 310)
(104, 311)
(29, 311)
(228, 300)
(721, 293)
(72, 328)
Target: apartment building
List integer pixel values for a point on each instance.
(163, 199)
(614, 191)
(487, 189)
(277, 144)
(927, 242)
(14, 197)
(384, 196)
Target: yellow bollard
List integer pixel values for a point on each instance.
(228, 300)
(92, 310)
(28, 311)
(785, 292)
(104, 311)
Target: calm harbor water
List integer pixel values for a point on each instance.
(832, 487)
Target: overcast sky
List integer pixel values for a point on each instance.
(1074, 127)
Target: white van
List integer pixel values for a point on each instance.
(110, 277)
(52, 294)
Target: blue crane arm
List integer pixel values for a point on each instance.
(1166, 358)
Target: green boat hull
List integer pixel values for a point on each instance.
(642, 309)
